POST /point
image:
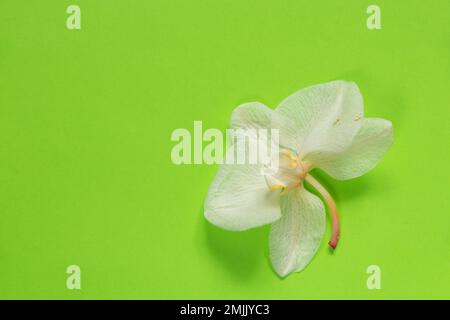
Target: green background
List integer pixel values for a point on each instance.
(85, 122)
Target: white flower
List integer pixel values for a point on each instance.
(322, 126)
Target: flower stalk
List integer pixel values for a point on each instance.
(332, 208)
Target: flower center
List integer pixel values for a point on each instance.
(289, 173)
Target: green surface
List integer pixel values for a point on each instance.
(85, 123)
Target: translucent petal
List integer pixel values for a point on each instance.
(321, 118)
(295, 238)
(252, 115)
(239, 199)
(367, 149)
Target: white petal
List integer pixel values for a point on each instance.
(250, 124)
(323, 117)
(369, 146)
(252, 115)
(239, 198)
(295, 238)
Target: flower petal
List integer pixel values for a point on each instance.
(368, 147)
(295, 238)
(252, 115)
(250, 125)
(239, 199)
(323, 117)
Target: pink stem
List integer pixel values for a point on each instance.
(332, 207)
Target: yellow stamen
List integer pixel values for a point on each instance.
(292, 165)
(289, 154)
